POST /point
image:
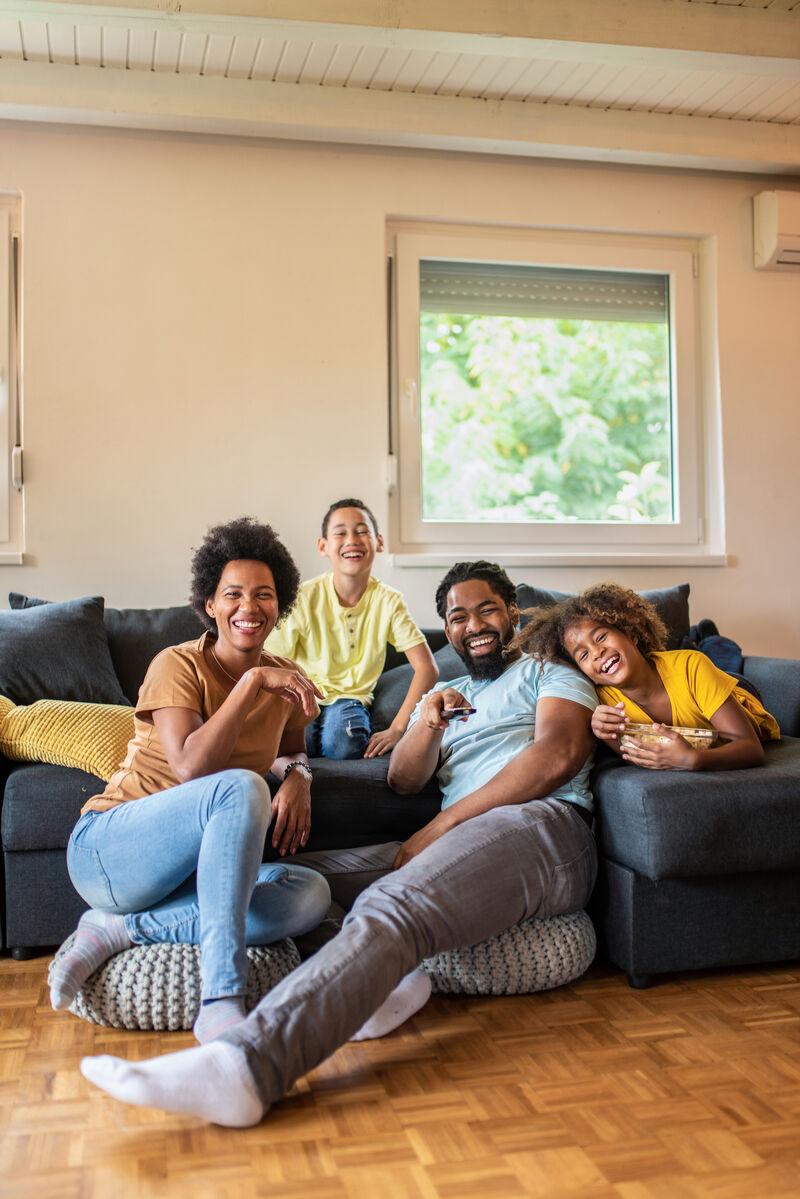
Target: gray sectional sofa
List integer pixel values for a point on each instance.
(696, 871)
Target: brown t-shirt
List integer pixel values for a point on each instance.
(182, 677)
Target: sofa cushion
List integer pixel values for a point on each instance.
(668, 824)
(392, 687)
(90, 737)
(536, 955)
(135, 636)
(57, 651)
(436, 638)
(778, 682)
(42, 803)
(536, 597)
(351, 805)
(17, 600)
(390, 691)
(671, 603)
(157, 987)
(450, 665)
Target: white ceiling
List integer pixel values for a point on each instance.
(702, 83)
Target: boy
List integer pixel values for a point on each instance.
(338, 630)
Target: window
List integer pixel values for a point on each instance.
(548, 398)
(10, 380)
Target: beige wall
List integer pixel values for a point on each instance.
(205, 337)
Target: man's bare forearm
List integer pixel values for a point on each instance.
(533, 774)
(562, 743)
(414, 759)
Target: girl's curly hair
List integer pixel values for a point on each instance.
(231, 542)
(607, 604)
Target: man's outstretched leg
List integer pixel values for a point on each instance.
(480, 878)
(212, 1082)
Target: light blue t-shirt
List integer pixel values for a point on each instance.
(474, 750)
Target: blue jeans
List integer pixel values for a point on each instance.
(485, 875)
(185, 865)
(342, 730)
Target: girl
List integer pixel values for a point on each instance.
(616, 638)
(171, 851)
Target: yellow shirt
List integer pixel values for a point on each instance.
(343, 649)
(696, 689)
(182, 677)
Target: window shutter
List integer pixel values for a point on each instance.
(508, 289)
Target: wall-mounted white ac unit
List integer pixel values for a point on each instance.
(776, 231)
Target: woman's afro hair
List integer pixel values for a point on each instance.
(241, 539)
(606, 603)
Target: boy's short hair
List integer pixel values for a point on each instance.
(349, 502)
(462, 572)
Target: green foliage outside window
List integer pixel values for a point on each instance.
(528, 419)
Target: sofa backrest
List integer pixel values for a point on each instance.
(671, 603)
(136, 635)
(778, 681)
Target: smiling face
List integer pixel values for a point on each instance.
(479, 625)
(244, 605)
(604, 654)
(350, 542)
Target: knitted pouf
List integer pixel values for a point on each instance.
(158, 986)
(536, 955)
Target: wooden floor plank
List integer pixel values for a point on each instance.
(595, 1091)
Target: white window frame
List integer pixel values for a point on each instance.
(11, 497)
(696, 534)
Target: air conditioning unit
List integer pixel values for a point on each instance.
(776, 231)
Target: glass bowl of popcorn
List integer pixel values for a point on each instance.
(697, 738)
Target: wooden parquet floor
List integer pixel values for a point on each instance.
(594, 1091)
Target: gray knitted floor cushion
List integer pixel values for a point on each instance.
(158, 986)
(536, 955)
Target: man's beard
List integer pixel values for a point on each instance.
(487, 666)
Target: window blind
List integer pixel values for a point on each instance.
(510, 289)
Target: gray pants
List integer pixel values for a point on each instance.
(534, 859)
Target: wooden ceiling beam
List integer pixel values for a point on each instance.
(166, 101)
(594, 29)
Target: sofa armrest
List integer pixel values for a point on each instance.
(778, 680)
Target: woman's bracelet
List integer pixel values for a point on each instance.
(297, 765)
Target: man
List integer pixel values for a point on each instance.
(512, 841)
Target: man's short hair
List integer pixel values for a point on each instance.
(350, 502)
(462, 572)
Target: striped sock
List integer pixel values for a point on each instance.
(216, 1016)
(99, 936)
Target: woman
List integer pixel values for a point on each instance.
(171, 851)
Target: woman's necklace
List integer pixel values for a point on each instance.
(222, 668)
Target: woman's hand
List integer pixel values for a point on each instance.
(609, 723)
(291, 813)
(673, 754)
(291, 685)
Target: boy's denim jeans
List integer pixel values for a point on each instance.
(342, 730)
(485, 875)
(185, 865)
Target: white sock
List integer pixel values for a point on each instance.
(217, 1016)
(98, 937)
(410, 994)
(212, 1081)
